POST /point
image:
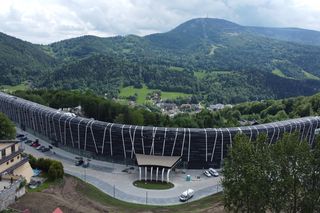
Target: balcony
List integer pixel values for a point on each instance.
(12, 155)
(15, 166)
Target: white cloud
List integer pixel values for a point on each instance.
(41, 21)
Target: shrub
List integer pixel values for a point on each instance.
(55, 170)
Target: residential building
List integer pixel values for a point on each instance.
(12, 161)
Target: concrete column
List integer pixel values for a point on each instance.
(139, 173)
(151, 173)
(145, 173)
(162, 175)
(168, 173)
(157, 173)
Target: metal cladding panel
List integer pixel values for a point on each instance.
(198, 148)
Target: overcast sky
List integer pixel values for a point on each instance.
(46, 21)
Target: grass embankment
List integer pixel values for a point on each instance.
(153, 185)
(143, 92)
(207, 204)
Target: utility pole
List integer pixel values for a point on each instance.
(114, 191)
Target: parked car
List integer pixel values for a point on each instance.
(35, 144)
(45, 149)
(207, 173)
(34, 184)
(20, 135)
(186, 195)
(40, 147)
(28, 141)
(85, 164)
(24, 138)
(79, 162)
(213, 172)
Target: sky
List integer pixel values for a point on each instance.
(47, 21)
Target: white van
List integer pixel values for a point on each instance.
(213, 172)
(186, 195)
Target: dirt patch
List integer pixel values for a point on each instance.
(62, 195)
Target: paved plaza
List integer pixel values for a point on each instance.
(110, 178)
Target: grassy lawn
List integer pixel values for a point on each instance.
(152, 185)
(131, 91)
(174, 95)
(143, 92)
(8, 88)
(46, 184)
(194, 206)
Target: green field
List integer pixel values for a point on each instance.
(310, 76)
(173, 68)
(306, 75)
(143, 92)
(279, 73)
(8, 88)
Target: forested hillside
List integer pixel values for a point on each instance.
(213, 59)
(107, 110)
(21, 61)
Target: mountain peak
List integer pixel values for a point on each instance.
(207, 24)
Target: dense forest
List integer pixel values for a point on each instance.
(212, 59)
(107, 110)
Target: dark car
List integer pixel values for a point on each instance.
(20, 135)
(24, 138)
(39, 148)
(28, 141)
(85, 164)
(45, 149)
(79, 162)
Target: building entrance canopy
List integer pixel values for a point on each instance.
(156, 164)
(157, 161)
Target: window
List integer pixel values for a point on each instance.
(7, 162)
(12, 160)
(18, 157)
(13, 148)
(3, 152)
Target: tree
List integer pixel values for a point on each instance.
(55, 170)
(311, 183)
(291, 159)
(7, 128)
(246, 175)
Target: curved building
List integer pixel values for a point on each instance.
(198, 148)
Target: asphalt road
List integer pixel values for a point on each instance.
(110, 178)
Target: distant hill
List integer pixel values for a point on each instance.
(214, 59)
(302, 36)
(20, 60)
